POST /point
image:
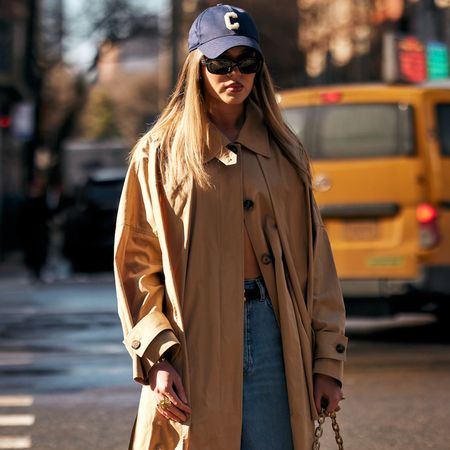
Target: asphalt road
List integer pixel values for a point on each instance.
(66, 379)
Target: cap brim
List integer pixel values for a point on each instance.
(216, 47)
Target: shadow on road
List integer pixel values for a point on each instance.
(401, 328)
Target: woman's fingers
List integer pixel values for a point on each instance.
(318, 401)
(169, 410)
(332, 404)
(327, 393)
(176, 401)
(170, 414)
(167, 384)
(176, 413)
(177, 410)
(180, 388)
(328, 402)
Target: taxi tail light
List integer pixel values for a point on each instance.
(331, 97)
(427, 216)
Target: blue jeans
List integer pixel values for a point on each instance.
(266, 423)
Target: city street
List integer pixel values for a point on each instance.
(249, 139)
(66, 379)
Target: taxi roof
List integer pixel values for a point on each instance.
(345, 93)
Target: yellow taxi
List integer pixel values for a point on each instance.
(381, 174)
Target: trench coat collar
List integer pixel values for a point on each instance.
(253, 135)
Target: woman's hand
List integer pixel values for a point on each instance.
(166, 383)
(327, 393)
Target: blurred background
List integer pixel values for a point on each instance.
(81, 80)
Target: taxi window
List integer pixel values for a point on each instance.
(296, 119)
(354, 130)
(443, 123)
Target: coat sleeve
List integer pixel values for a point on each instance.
(328, 313)
(139, 276)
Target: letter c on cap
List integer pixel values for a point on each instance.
(228, 16)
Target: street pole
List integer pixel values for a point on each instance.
(175, 38)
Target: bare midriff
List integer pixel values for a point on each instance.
(251, 266)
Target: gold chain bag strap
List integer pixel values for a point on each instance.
(319, 431)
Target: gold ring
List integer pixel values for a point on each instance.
(164, 403)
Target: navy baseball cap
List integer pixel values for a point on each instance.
(220, 28)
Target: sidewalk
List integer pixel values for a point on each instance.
(57, 270)
(12, 270)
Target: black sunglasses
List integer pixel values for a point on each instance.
(223, 66)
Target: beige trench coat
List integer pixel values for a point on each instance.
(179, 279)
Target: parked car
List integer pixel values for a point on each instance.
(381, 174)
(90, 221)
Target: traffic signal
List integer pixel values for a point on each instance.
(5, 116)
(5, 121)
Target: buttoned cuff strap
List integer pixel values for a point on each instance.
(145, 331)
(330, 345)
(331, 367)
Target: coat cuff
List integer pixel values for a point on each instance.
(330, 345)
(331, 367)
(145, 331)
(160, 345)
(163, 343)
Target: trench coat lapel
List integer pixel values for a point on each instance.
(253, 136)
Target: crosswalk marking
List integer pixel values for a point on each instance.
(16, 400)
(12, 420)
(12, 442)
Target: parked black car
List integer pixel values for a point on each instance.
(90, 221)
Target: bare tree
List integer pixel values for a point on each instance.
(111, 19)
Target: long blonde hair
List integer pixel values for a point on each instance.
(181, 129)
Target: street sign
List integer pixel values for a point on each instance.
(437, 61)
(411, 59)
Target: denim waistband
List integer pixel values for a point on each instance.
(256, 287)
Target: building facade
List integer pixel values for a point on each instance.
(313, 42)
(19, 85)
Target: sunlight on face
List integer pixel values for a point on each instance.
(232, 88)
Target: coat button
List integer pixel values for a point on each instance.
(266, 258)
(135, 344)
(248, 204)
(340, 348)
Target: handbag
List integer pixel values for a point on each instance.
(319, 431)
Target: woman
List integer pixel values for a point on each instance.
(228, 295)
